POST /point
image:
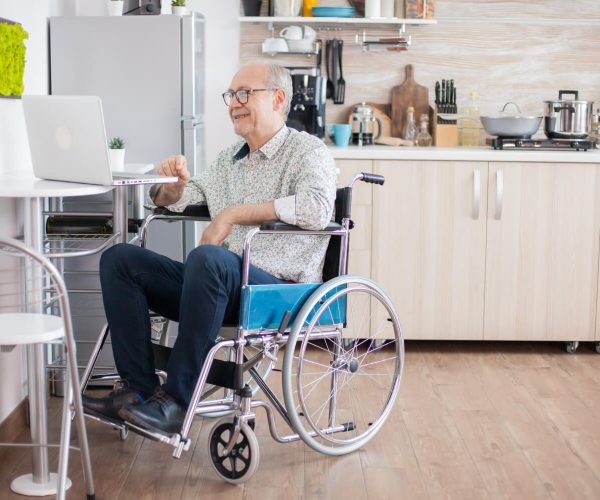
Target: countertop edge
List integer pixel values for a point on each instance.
(462, 154)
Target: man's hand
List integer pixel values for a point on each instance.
(173, 166)
(246, 215)
(217, 230)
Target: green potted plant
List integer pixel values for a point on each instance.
(116, 153)
(115, 7)
(178, 7)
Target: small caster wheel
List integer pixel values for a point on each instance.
(242, 462)
(571, 347)
(377, 343)
(598, 347)
(123, 433)
(349, 344)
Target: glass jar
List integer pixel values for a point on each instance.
(423, 137)
(410, 129)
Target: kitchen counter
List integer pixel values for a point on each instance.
(463, 154)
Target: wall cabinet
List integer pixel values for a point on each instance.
(478, 250)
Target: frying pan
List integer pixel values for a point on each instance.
(516, 126)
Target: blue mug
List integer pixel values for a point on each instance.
(341, 134)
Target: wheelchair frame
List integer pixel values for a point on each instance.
(269, 341)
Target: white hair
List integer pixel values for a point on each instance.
(278, 77)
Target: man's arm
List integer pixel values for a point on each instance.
(244, 215)
(167, 194)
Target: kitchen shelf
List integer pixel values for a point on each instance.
(308, 53)
(336, 20)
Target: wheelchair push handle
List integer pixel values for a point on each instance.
(372, 178)
(366, 177)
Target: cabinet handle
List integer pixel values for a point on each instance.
(476, 193)
(499, 194)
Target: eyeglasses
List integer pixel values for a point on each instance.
(241, 95)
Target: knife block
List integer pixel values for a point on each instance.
(444, 135)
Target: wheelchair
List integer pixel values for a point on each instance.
(342, 365)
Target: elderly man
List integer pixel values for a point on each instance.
(274, 173)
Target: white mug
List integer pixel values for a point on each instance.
(273, 45)
(309, 33)
(292, 33)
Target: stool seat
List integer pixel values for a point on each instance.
(30, 328)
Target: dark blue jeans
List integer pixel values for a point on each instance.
(201, 294)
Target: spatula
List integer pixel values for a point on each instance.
(341, 83)
(328, 50)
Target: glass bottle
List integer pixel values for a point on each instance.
(470, 130)
(410, 129)
(423, 137)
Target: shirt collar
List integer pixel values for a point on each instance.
(269, 148)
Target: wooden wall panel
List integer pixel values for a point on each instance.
(522, 51)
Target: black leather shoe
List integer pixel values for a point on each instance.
(109, 406)
(161, 412)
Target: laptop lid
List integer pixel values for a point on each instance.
(67, 138)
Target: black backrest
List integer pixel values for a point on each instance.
(343, 209)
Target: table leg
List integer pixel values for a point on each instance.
(40, 482)
(120, 212)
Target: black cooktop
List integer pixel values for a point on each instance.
(518, 143)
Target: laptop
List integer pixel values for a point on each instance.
(68, 142)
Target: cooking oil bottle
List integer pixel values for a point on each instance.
(470, 130)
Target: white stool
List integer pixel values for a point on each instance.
(34, 309)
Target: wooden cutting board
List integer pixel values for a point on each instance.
(408, 93)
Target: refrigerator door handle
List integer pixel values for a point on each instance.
(190, 121)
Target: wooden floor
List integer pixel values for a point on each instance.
(473, 421)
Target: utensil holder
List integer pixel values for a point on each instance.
(445, 135)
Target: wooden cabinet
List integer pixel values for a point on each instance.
(428, 252)
(542, 251)
(524, 266)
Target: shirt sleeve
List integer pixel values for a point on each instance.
(193, 194)
(311, 204)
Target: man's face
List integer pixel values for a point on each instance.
(261, 111)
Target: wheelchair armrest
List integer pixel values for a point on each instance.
(277, 225)
(196, 211)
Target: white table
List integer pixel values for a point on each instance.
(23, 185)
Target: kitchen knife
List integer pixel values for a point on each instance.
(443, 96)
(437, 93)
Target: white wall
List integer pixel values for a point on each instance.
(14, 155)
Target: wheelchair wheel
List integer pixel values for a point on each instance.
(242, 462)
(341, 378)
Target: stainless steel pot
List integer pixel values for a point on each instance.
(567, 119)
(511, 126)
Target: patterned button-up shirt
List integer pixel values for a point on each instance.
(295, 170)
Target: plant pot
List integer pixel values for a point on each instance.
(179, 11)
(115, 7)
(116, 159)
(252, 7)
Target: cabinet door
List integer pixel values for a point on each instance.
(542, 251)
(429, 245)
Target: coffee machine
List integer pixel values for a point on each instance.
(307, 111)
